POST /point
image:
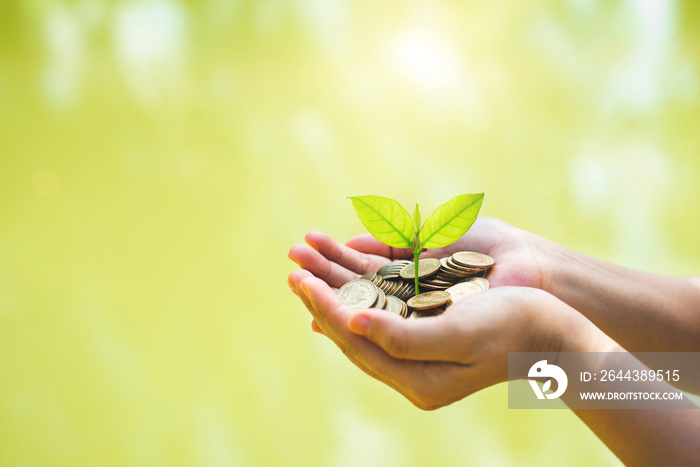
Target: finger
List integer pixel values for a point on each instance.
(294, 279)
(315, 327)
(314, 262)
(427, 384)
(366, 243)
(292, 286)
(439, 338)
(332, 317)
(482, 236)
(323, 303)
(349, 258)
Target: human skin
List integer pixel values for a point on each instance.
(640, 311)
(436, 361)
(439, 360)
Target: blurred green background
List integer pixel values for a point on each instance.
(158, 158)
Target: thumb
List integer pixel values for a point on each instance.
(433, 338)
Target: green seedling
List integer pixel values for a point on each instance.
(391, 224)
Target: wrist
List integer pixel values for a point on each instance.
(561, 328)
(581, 335)
(553, 262)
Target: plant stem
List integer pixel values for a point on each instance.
(416, 254)
(416, 242)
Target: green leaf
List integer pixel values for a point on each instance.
(450, 221)
(385, 219)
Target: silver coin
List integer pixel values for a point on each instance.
(393, 304)
(358, 294)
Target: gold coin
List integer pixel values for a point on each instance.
(472, 259)
(483, 281)
(391, 276)
(425, 313)
(393, 304)
(463, 270)
(436, 281)
(406, 292)
(456, 270)
(381, 299)
(480, 281)
(358, 294)
(370, 276)
(426, 267)
(463, 290)
(428, 300)
(430, 287)
(392, 268)
(424, 286)
(449, 272)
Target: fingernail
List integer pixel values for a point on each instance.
(292, 285)
(297, 262)
(312, 245)
(360, 324)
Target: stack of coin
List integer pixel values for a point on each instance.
(386, 279)
(396, 305)
(441, 282)
(427, 268)
(429, 304)
(446, 272)
(392, 270)
(362, 293)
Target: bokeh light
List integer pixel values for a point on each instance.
(159, 157)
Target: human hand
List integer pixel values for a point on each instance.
(522, 258)
(519, 255)
(337, 264)
(438, 360)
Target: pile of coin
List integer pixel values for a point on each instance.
(441, 283)
(393, 269)
(398, 288)
(362, 293)
(439, 274)
(429, 303)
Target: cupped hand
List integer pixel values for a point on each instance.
(337, 264)
(435, 361)
(522, 258)
(520, 255)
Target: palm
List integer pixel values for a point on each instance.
(512, 248)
